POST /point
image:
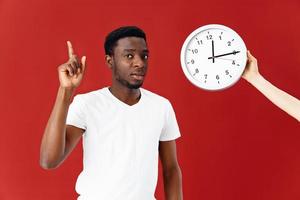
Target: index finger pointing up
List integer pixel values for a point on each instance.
(70, 49)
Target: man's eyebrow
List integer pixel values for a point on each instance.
(145, 50)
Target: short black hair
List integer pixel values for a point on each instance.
(122, 32)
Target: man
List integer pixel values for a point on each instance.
(124, 126)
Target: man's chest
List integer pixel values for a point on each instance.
(141, 126)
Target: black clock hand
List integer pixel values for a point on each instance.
(226, 54)
(213, 51)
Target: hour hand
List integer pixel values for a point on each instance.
(213, 51)
(226, 54)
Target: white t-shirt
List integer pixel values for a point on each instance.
(120, 143)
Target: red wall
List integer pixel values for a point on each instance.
(235, 144)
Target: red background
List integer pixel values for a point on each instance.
(235, 143)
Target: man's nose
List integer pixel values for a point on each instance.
(139, 62)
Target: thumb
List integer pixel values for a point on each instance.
(249, 55)
(83, 62)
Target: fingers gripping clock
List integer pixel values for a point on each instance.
(213, 57)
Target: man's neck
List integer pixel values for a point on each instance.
(126, 95)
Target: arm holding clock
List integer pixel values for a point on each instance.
(283, 100)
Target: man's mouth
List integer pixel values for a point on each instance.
(138, 76)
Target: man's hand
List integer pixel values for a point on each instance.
(71, 72)
(251, 71)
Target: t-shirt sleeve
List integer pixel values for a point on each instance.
(76, 116)
(170, 129)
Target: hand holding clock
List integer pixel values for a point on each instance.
(251, 70)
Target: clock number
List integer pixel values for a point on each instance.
(209, 37)
(217, 77)
(229, 43)
(196, 71)
(205, 77)
(192, 61)
(227, 73)
(220, 37)
(199, 42)
(195, 51)
(233, 62)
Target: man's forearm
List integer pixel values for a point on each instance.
(173, 184)
(53, 141)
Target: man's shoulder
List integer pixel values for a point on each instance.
(154, 96)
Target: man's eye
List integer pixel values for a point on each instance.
(129, 56)
(146, 57)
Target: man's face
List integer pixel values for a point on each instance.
(130, 62)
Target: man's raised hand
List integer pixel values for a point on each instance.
(71, 72)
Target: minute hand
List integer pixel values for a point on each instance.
(226, 54)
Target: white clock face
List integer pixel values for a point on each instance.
(213, 57)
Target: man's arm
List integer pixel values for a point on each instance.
(58, 139)
(171, 170)
(283, 100)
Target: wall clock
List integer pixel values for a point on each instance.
(213, 57)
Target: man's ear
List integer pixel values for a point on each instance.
(109, 61)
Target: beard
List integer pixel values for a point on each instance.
(123, 81)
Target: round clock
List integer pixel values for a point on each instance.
(213, 57)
